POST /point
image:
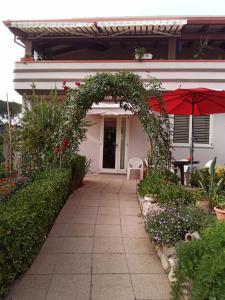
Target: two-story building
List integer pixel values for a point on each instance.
(185, 52)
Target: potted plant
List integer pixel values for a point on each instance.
(211, 187)
(220, 208)
(27, 57)
(139, 53)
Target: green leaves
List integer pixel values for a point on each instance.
(202, 264)
(25, 220)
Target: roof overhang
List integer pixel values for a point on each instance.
(96, 28)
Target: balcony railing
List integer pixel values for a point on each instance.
(172, 73)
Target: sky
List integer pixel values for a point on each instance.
(47, 9)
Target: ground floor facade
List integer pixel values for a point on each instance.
(114, 138)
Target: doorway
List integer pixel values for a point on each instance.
(114, 144)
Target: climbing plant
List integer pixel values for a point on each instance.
(53, 127)
(128, 90)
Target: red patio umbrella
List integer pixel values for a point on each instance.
(194, 102)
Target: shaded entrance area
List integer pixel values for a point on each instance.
(97, 249)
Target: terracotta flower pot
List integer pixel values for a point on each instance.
(220, 213)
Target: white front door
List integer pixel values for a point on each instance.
(114, 144)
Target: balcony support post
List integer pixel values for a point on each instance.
(172, 48)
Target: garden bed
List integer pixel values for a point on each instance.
(178, 229)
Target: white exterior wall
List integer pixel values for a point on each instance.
(91, 147)
(205, 154)
(172, 74)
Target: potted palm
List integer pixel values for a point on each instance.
(211, 187)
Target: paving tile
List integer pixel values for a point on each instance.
(151, 286)
(137, 231)
(129, 204)
(108, 230)
(108, 210)
(110, 196)
(69, 287)
(129, 211)
(43, 264)
(92, 195)
(126, 196)
(109, 202)
(73, 264)
(109, 263)
(112, 287)
(32, 287)
(89, 210)
(84, 230)
(64, 218)
(108, 245)
(52, 245)
(108, 219)
(144, 263)
(58, 230)
(138, 245)
(77, 245)
(84, 219)
(85, 202)
(131, 220)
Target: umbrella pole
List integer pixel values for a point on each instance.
(192, 137)
(192, 143)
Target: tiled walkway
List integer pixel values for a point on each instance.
(97, 249)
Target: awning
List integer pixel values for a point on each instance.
(109, 112)
(92, 28)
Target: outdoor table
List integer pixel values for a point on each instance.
(180, 164)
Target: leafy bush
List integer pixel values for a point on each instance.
(79, 166)
(26, 218)
(171, 225)
(202, 266)
(151, 184)
(174, 194)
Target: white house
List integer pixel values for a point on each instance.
(185, 52)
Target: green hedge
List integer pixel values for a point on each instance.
(25, 220)
(202, 266)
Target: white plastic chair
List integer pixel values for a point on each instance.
(208, 164)
(135, 163)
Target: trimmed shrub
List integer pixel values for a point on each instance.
(174, 194)
(164, 188)
(25, 220)
(171, 225)
(202, 266)
(79, 166)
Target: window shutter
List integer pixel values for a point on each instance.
(201, 129)
(181, 129)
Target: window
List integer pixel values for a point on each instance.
(182, 130)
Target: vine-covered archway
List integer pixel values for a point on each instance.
(128, 90)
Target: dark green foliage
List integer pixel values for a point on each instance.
(79, 166)
(175, 195)
(164, 187)
(25, 220)
(170, 226)
(14, 108)
(202, 266)
(194, 179)
(36, 139)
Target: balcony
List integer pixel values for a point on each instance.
(172, 73)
